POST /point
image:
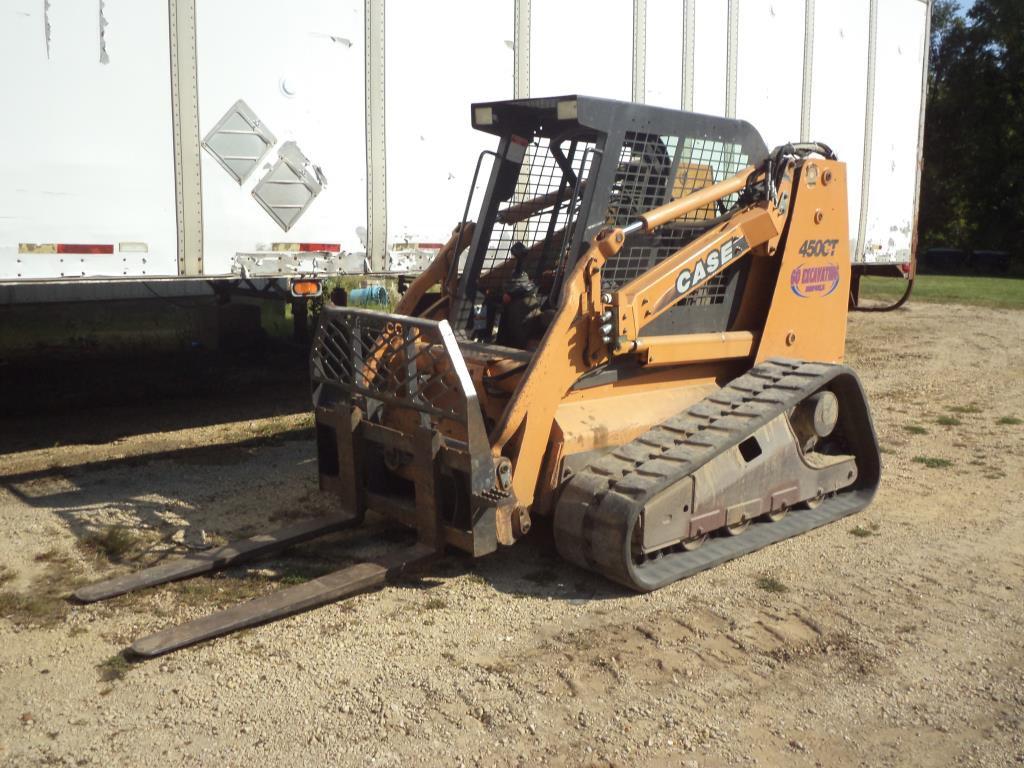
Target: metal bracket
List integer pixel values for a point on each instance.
(263, 264)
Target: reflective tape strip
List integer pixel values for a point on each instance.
(417, 246)
(91, 248)
(306, 247)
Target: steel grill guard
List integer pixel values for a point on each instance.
(369, 368)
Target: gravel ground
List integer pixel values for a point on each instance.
(890, 638)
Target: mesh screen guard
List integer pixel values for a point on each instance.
(652, 170)
(542, 212)
(606, 175)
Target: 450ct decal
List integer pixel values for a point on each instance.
(818, 248)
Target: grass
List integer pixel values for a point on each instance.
(999, 292)
(113, 543)
(44, 607)
(52, 555)
(1009, 420)
(221, 589)
(44, 602)
(862, 532)
(771, 584)
(237, 586)
(915, 429)
(932, 462)
(435, 603)
(972, 408)
(85, 325)
(948, 421)
(114, 668)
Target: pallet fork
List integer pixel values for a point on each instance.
(342, 436)
(342, 583)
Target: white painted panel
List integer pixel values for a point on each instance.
(93, 159)
(664, 72)
(582, 46)
(87, 146)
(900, 58)
(770, 61)
(839, 86)
(711, 33)
(431, 145)
(299, 67)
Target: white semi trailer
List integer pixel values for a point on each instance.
(221, 140)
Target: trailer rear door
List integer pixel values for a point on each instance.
(87, 162)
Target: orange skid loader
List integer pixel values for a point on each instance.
(640, 336)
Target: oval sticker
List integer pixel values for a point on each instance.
(810, 281)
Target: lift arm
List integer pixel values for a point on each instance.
(755, 227)
(587, 322)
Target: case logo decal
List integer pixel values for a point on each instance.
(809, 281)
(708, 265)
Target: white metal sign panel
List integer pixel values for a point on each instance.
(819, 76)
(87, 184)
(432, 148)
(299, 68)
(664, 72)
(582, 46)
(900, 54)
(86, 134)
(710, 56)
(838, 90)
(769, 77)
(239, 141)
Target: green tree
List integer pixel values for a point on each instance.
(972, 186)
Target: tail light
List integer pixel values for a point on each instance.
(306, 288)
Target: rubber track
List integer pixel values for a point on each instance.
(601, 504)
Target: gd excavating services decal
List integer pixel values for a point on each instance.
(814, 280)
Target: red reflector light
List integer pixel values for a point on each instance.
(306, 288)
(307, 247)
(82, 248)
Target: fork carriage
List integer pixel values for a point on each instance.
(431, 442)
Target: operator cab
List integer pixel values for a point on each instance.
(564, 169)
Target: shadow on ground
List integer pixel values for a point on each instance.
(226, 490)
(67, 396)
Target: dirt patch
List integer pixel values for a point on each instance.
(893, 638)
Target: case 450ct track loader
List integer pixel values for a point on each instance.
(640, 337)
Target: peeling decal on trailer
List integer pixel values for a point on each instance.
(809, 281)
(46, 26)
(104, 58)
